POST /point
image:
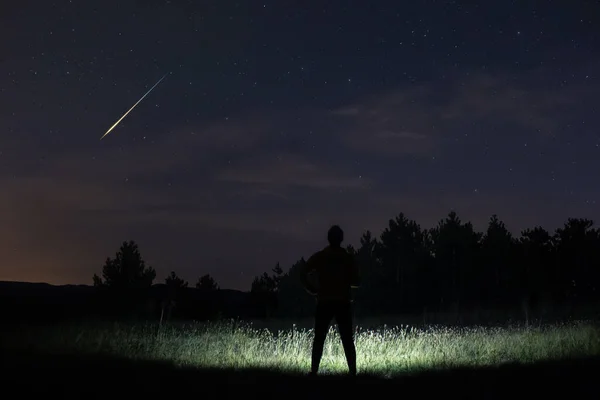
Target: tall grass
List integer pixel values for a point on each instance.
(384, 351)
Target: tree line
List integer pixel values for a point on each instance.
(409, 270)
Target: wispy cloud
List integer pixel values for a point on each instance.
(290, 170)
(417, 120)
(536, 108)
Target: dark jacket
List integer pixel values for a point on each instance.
(336, 273)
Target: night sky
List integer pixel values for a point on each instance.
(279, 118)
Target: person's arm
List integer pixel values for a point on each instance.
(355, 273)
(309, 267)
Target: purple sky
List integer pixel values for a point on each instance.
(279, 118)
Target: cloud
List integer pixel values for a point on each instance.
(389, 124)
(120, 156)
(289, 170)
(525, 102)
(418, 120)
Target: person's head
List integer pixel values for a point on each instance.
(335, 236)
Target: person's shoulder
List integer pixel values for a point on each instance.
(316, 255)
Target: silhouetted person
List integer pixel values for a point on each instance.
(336, 274)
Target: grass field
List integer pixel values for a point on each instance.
(384, 352)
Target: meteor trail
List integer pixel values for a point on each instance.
(138, 102)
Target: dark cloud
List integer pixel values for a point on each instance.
(419, 120)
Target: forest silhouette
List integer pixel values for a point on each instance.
(407, 270)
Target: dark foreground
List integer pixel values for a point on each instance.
(35, 375)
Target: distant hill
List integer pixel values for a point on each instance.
(31, 288)
(25, 301)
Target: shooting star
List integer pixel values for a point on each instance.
(138, 102)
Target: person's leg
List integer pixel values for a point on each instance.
(323, 315)
(343, 318)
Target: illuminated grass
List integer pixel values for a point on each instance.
(384, 352)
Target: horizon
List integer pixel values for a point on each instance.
(376, 234)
